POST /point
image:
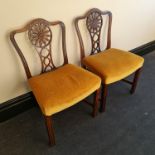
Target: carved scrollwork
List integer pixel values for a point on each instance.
(40, 35)
(94, 24)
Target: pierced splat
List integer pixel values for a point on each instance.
(40, 36)
(94, 24)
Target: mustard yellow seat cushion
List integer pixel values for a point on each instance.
(113, 64)
(62, 88)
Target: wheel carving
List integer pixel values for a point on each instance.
(40, 34)
(94, 24)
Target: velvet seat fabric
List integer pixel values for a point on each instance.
(113, 64)
(62, 88)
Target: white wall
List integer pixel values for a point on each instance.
(133, 25)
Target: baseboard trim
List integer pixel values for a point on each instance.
(24, 102)
(16, 106)
(144, 49)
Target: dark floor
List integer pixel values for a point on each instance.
(127, 128)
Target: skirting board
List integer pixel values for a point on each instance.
(16, 106)
(144, 49)
(24, 102)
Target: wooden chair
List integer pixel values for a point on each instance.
(110, 64)
(55, 88)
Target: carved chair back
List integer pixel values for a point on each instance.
(39, 32)
(94, 22)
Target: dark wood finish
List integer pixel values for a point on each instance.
(90, 104)
(105, 89)
(9, 109)
(135, 81)
(104, 93)
(40, 35)
(96, 99)
(50, 130)
(127, 81)
(94, 22)
(95, 103)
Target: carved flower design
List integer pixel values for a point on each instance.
(94, 21)
(40, 34)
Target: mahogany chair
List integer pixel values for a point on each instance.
(55, 88)
(110, 64)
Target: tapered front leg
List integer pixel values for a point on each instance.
(96, 102)
(50, 130)
(103, 97)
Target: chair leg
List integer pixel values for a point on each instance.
(103, 97)
(50, 130)
(96, 102)
(135, 81)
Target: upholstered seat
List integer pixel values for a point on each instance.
(109, 63)
(62, 88)
(56, 87)
(113, 64)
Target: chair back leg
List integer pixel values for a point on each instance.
(135, 80)
(50, 130)
(103, 97)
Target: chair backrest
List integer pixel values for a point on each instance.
(40, 35)
(94, 22)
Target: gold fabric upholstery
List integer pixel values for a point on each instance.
(63, 88)
(113, 64)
